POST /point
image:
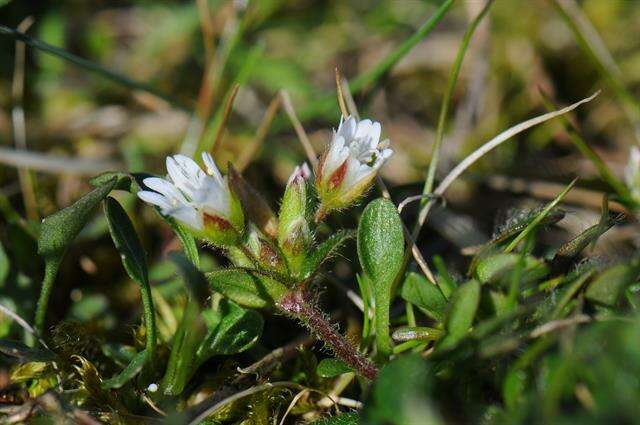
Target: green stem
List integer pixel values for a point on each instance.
(446, 100)
(149, 319)
(50, 271)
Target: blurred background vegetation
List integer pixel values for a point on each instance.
(78, 123)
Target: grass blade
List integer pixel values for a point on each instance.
(551, 205)
(88, 65)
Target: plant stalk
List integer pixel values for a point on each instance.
(297, 305)
(50, 272)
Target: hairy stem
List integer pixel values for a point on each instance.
(296, 305)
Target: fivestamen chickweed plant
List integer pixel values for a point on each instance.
(532, 325)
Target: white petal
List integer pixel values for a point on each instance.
(363, 129)
(165, 188)
(347, 129)
(154, 199)
(187, 215)
(336, 156)
(212, 169)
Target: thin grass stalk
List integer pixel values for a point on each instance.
(89, 65)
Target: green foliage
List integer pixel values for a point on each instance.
(330, 368)
(464, 304)
(342, 419)
(380, 249)
(327, 249)
(247, 288)
(56, 234)
(128, 373)
(417, 290)
(607, 288)
(400, 395)
(235, 330)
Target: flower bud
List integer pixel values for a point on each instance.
(294, 236)
(263, 251)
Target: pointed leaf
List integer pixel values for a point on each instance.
(60, 229)
(325, 250)
(126, 241)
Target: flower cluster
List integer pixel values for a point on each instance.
(205, 204)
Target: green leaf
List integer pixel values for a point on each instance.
(400, 394)
(124, 181)
(498, 267)
(327, 249)
(60, 229)
(539, 218)
(464, 304)
(247, 288)
(342, 419)
(133, 258)
(182, 360)
(380, 249)
(126, 241)
(417, 290)
(237, 330)
(330, 368)
(608, 287)
(128, 373)
(56, 234)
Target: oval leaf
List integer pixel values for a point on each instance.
(380, 249)
(417, 290)
(464, 304)
(380, 241)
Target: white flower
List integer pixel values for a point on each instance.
(351, 162)
(201, 201)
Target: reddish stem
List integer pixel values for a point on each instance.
(295, 304)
